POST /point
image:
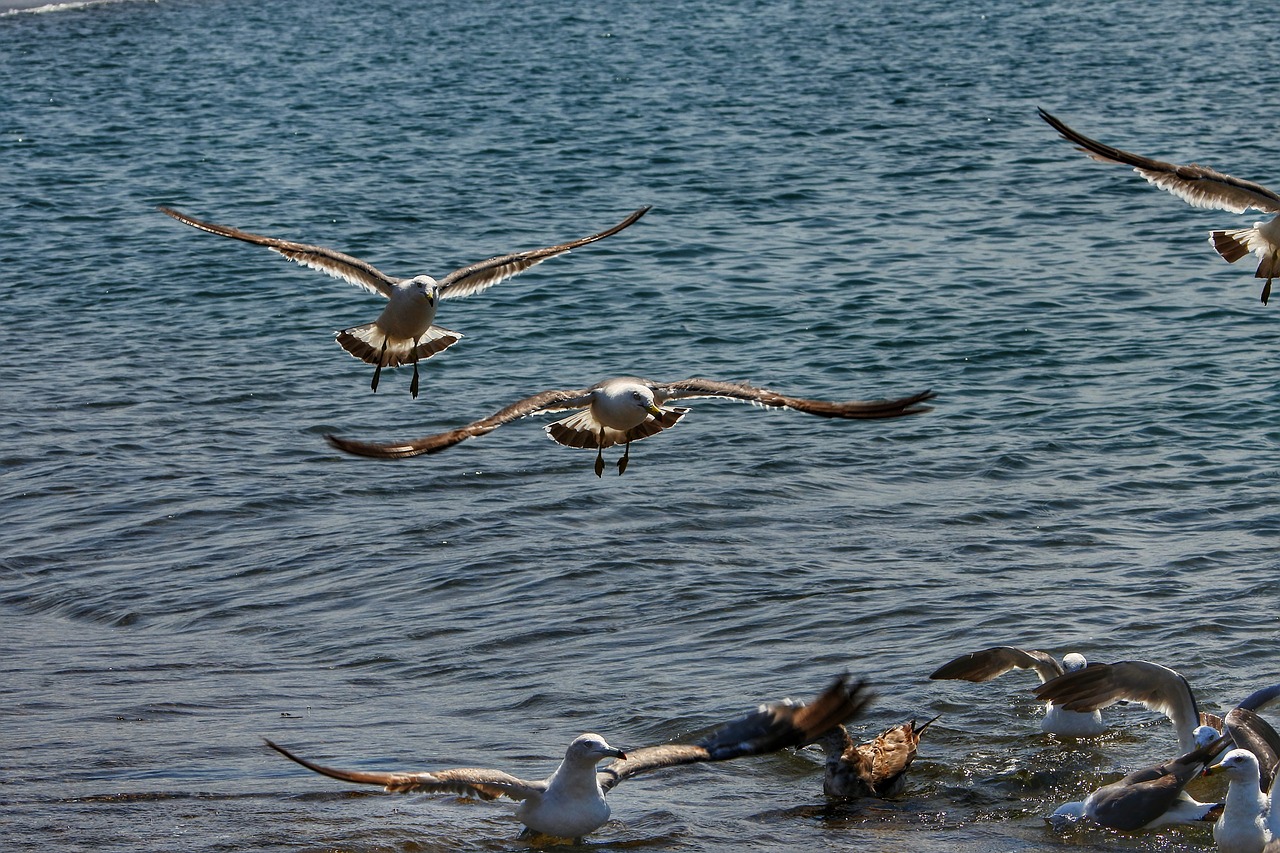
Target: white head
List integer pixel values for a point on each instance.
(1205, 735)
(1073, 662)
(425, 287)
(590, 749)
(1239, 765)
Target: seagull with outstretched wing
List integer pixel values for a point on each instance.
(1201, 186)
(627, 409)
(404, 332)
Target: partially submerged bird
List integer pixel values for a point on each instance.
(570, 803)
(1156, 687)
(627, 409)
(877, 768)
(404, 333)
(1201, 186)
(994, 662)
(1149, 798)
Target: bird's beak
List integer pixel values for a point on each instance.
(655, 410)
(1214, 768)
(617, 753)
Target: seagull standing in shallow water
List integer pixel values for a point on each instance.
(1201, 186)
(403, 333)
(627, 409)
(570, 803)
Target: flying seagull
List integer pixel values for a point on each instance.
(1248, 821)
(627, 409)
(994, 662)
(1201, 186)
(1149, 798)
(1156, 687)
(570, 803)
(877, 768)
(403, 332)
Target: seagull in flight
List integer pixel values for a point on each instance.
(1201, 186)
(404, 332)
(627, 409)
(570, 803)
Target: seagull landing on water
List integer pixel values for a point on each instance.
(570, 803)
(1201, 186)
(403, 333)
(627, 409)
(994, 662)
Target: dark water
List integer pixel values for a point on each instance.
(850, 200)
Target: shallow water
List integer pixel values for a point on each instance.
(847, 203)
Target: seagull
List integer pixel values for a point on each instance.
(877, 768)
(627, 409)
(1149, 798)
(1247, 822)
(1201, 186)
(992, 663)
(403, 333)
(570, 803)
(1156, 687)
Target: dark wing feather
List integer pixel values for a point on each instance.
(695, 387)
(546, 401)
(465, 781)
(1142, 796)
(769, 728)
(996, 661)
(1199, 186)
(1251, 732)
(480, 276)
(336, 264)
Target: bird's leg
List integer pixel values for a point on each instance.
(377, 371)
(622, 463)
(600, 456)
(413, 385)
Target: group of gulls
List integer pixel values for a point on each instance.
(1246, 747)
(570, 803)
(624, 409)
(615, 411)
(1242, 747)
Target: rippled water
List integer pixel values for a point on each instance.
(848, 202)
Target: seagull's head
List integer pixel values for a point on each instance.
(1074, 661)
(425, 287)
(642, 397)
(591, 749)
(1239, 764)
(1204, 735)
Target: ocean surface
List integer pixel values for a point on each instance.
(850, 200)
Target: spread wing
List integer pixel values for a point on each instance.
(465, 781)
(1199, 186)
(546, 401)
(1157, 687)
(690, 388)
(336, 264)
(995, 662)
(767, 729)
(483, 275)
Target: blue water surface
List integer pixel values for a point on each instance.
(849, 201)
